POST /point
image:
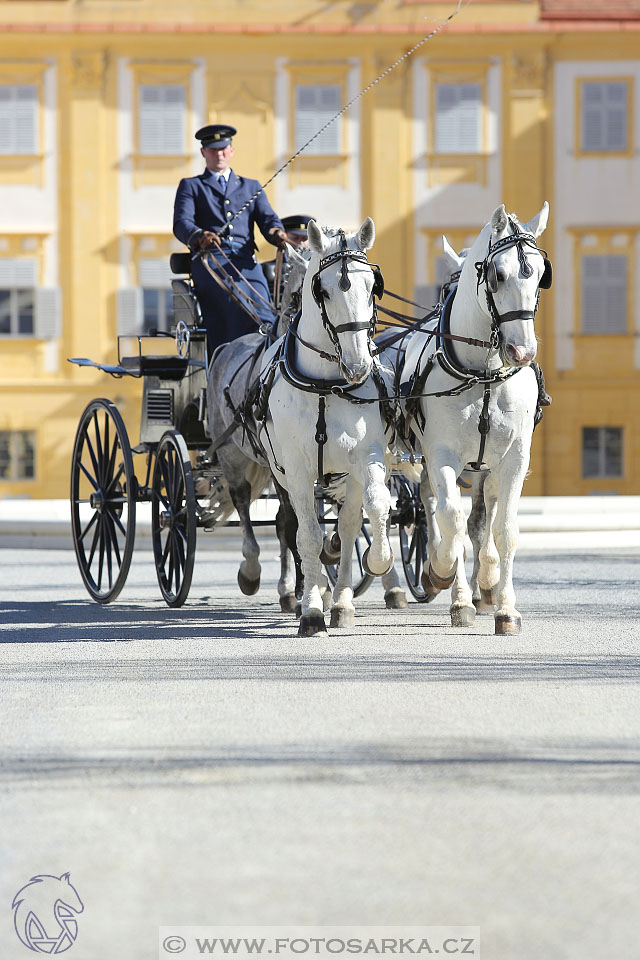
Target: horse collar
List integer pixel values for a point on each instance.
(446, 355)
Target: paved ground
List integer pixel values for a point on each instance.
(206, 766)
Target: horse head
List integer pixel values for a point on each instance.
(296, 268)
(43, 912)
(341, 286)
(510, 271)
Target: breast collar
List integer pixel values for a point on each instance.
(446, 356)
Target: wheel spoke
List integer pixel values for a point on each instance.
(91, 480)
(88, 526)
(107, 549)
(105, 452)
(165, 552)
(113, 536)
(94, 461)
(176, 561)
(116, 519)
(99, 447)
(101, 554)
(115, 479)
(96, 537)
(170, 574)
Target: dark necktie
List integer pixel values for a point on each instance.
(222, 183)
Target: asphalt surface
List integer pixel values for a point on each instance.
(206, 766)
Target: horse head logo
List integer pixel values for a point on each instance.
(43, 913)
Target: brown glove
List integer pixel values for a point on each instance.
(278, 237)
(206, 240)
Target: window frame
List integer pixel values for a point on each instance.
(139, 112)
(581, 82)
(475, 164)
(600, 242)
(13, 476)
(602, 445)
(319, 169)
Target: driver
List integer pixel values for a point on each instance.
(206, 204)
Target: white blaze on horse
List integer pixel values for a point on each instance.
(477, 407)
(321, 388)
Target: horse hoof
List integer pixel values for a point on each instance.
(484, 603)
(342, 617)
(375, 573)
(310, 624)
(462, 616)
(288, 603)
(506, 625)
(248, 587)
(331, 548)
(432, 584)
(395, 599)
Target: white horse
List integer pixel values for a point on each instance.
(234, 368)
(478, 401)
(317, 423)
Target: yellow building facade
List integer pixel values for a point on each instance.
(512, 101)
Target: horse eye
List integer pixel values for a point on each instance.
(501, 275)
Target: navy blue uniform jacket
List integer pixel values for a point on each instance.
(201, 205)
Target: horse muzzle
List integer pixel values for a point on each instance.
(356, 373)
(516, 355)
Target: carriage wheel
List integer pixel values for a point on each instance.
(103, 500)
(327, 514)
(412, 529)
(173, 518)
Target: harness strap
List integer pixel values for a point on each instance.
(484, 425)
(321, 436)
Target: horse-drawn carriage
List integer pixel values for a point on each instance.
(459, 406)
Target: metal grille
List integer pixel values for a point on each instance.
(160, 405)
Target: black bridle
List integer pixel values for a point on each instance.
(342, 256)
(488, 274)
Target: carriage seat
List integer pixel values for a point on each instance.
(180, 263)
(166, 368)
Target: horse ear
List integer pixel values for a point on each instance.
(296, 258)
(366, 235)
(316, 237)
(453, 259)
(499, 220)
(538, 223)
(65, 876)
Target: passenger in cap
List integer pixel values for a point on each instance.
(296, 229)
(205, 220)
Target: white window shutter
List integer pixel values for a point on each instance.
(315, 105)
(604, 294)
(18, 272)
(129, 311)
(18, 119)
(162, 119)
(604, 116)
(616, 294)
(458, 118)
(154, 272)
(47, 319)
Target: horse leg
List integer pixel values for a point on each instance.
(394, 596)
(488, 557)
(506, 530)
(476, 527)
(378, 558)
(289, 588)
(448, 555)
(309, 543)
(233, 464)
(349, 522)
